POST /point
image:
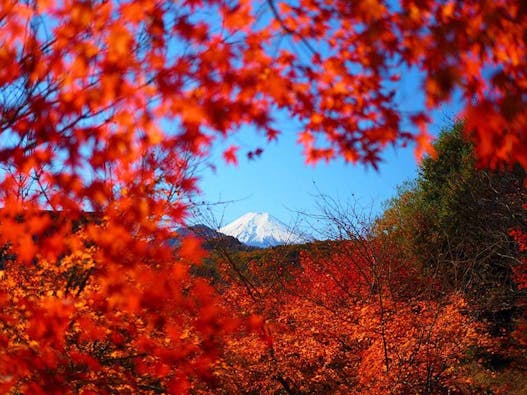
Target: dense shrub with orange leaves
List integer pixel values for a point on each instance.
(418, 346)
(299, 348)
(322, 331)
(72, 326)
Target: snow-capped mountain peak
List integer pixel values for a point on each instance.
(260, 230)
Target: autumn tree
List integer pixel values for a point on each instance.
(399, 325)
(350, 315)
(334, 326)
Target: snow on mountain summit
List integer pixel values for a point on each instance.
(260, 230)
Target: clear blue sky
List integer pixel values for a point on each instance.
(279, 182)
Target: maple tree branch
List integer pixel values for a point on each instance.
(251, 289)
(285, 385)
(287, 29)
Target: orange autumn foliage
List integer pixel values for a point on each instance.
(103, 102)
(73, 325)
(322, 333)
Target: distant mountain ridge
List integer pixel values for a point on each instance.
(200, 230)
(212, 239)
(261, 230)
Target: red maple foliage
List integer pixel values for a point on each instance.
(103, 102)
(347, 330)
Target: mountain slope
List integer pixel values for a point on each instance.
(212, 239)
(261, 230)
